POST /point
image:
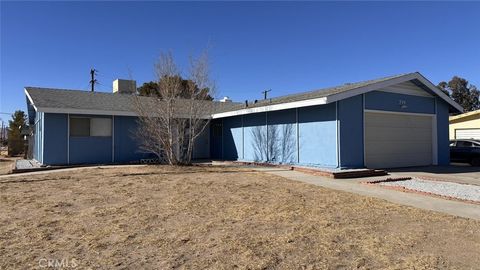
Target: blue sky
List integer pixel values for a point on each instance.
(285, 46)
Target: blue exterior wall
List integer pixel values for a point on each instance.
(317, 129)
(318, 135)
(283, 127)
(384, 101)
(55, 141)
(253, 123)
(216, 139)
(126, 146)
(54, 147)
(84, 150)
(232, 138)
(350, 114)
(443, 148)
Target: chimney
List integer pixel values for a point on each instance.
(124, 86)
(225, 99)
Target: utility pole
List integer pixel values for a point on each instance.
(265, 93)
(93, 81)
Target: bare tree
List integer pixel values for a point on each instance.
(170, 122)
(273, 144)
(259, 143)
(287, 144)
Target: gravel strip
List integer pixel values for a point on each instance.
(455, 190)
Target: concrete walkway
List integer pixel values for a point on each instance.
(456, 208)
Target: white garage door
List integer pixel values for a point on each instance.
(397, 140)
(473, 133)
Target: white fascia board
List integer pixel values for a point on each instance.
(387, 83)
(275, 107)
(30, 98)
(101, 112)
(82, 111)
(438, 92)
(370, 87)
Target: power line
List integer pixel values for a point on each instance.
(265, 93)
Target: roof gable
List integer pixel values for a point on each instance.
(333, 94)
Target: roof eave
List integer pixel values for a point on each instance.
(400, 79)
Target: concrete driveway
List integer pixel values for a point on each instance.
(458, 173)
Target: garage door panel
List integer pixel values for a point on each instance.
(397, 135)
(398, 148)
(397, 140)
(397, 121)
(468, 134)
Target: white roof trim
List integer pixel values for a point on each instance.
(275, 107)
(83, 111)
(99, 112)
(31, 100)
(438, 92)
(370, 87)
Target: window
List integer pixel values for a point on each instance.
(90, 127)
(464, 144)
(101, 127)
(79, 127)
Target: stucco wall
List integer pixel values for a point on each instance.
(55, 141)
(383, 101)
(310, 141)
(53, 146)
(318, 135)
(350, 114)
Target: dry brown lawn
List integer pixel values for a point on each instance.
(158, 217)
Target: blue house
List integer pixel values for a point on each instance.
(397, 121)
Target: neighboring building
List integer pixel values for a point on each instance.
(465, 126)
(396, 121)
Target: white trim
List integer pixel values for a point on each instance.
(434, 137)
(30, 98)
(298, 136)
(438, 92)
(337, 131)
(83, 111)
(222, 139)
(243, 138)
(370, 87)
(390, 82)
(405, 113)
(68, 138)
(363, 120)
(275, 107)
(43, 137)
(266, 135)
(113, 139)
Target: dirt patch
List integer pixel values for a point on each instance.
(6, 164)
(159, 217)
